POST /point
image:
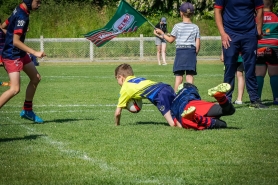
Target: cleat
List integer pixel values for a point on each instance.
(219, 90)
(31, 116)
(257, 105)
(189, 113)
(238, 102)
(180, 87)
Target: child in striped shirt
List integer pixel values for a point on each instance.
(187, 37)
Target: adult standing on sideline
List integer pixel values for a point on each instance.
(267, 59)
(187, 37)
(239, 33)
(160, 42)
(16, 59)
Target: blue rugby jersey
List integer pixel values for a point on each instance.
(2, 41)
(239, 15)
(17, 24)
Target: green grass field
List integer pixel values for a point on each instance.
(79, 143)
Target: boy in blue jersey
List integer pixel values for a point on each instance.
(160, 94)
(239, 32)
(184, 110)
(16, 59)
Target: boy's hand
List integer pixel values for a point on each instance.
(159, 31)
(39, 54)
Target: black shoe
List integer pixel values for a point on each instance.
(257, 105)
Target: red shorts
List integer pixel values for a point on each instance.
(202, 108)
(17, 64)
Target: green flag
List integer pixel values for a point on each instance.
(126, 19)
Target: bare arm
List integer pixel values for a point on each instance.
(198, 44)
(219, 22)
(17, 43)
(118, 116)
(164, 36)
(260, 18)
(4, 27)
(170, 120)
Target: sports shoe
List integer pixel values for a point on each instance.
(164, 64)
(257, 105)
(189, 113)
(238, 102)
(219, 90)
(31, 116)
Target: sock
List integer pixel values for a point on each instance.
(28, 105)
(204, 121)
(260, 81)
(274, 86)
(221, 98)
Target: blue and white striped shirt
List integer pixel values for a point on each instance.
(185, 33)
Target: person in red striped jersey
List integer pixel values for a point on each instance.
(267, 54)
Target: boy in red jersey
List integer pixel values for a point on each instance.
(16, 59)
(192, 112)
(267, 55)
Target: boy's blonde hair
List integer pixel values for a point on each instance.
(124, 69)
(188, 15)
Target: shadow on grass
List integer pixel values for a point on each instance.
(30, 137)
(165, 124)
(151, 123)
(65, 120)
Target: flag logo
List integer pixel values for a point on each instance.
(126, 19)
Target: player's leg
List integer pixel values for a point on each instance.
(224, 107)
(31, 71)
(230, 62)
(249, 55)
(260, 74)
(13, 90)
(163, 53)
(240, 83)
(178, 81)
(273, 75)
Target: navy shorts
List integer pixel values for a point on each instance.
(185, 61)
(164, 98)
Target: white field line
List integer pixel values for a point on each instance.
(63, 150)
(112, 77)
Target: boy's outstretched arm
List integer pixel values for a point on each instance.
(118, 116)
(17, 43)
(170, 120)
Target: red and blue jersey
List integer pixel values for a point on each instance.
(2, 41)
(17, 23)
(270, 30)
(239, 15)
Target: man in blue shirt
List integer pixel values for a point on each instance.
(16, 59)
(239, 33)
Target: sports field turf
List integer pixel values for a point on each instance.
(79, 143)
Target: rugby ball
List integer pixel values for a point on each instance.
(134, 105)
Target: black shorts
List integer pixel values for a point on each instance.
(240, 67)
(267, 56)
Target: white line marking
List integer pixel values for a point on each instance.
(62, 148)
